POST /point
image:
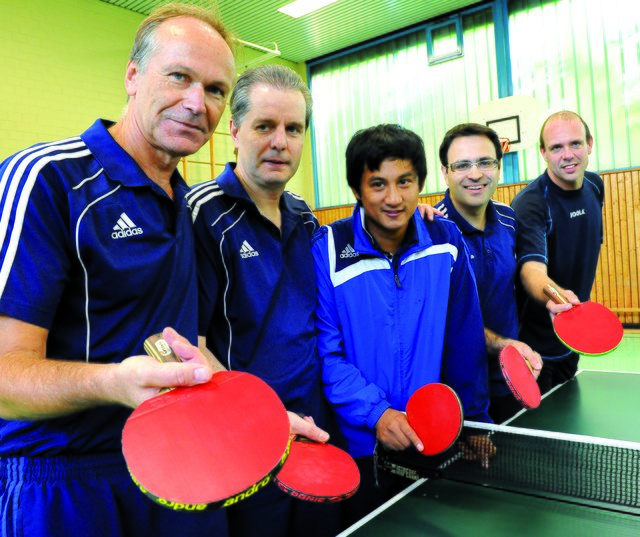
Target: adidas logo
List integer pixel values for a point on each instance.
(247, 251)
(125, 228)
(348, 252)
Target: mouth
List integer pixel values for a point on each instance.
(476, 187)
(395, 213)
(189, 125)
(570, 168)
(277, 162)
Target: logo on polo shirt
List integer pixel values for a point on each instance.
(247, 251)
(348, 252)
(125, 228)
(577, 213)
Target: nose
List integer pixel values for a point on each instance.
(474, 172)
(393, 196)
(567, 153)
(279, 139)
(194, 99)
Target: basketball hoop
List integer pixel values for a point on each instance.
(506, 147)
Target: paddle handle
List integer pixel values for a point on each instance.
(552, 294)
(156, 347)
(159, 349)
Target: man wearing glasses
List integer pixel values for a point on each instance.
(470, 155)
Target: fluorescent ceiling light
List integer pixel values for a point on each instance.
(300, 8)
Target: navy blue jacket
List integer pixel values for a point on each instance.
(493, 258)
(257, 289)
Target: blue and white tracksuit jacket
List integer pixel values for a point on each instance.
(388, 326)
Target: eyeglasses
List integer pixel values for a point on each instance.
(484, 165)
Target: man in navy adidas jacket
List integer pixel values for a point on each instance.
(397, 307)
(257, 283)
(96, 254)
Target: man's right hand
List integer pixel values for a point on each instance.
(305, 426)
(394, 431)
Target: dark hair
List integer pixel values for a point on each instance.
(144, 44)
(278, 77)
(468, 129)
(565, 114)
(369, 147)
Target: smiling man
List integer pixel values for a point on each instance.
(470, 157)
(397, 308)
(559, 238)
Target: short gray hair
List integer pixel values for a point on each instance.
(278, 77)
(145, 44)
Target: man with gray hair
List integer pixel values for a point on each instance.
(257, 290)
(95, 255)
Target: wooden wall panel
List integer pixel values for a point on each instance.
(617, 282)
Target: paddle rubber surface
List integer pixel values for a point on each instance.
(318, 472)
(209, 445)
(435, 414)
(519, 377)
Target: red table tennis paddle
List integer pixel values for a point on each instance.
(588, 328)
(209, 445)
(318, 472)
(520, 378)
(435, 414)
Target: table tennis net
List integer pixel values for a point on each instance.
(581, 469)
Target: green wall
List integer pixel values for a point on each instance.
(63, 66)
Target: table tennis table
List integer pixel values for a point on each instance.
(595, 403)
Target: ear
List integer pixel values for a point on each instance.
(131, 78)
(543, 152)
(233, 129)
(589, 145)
(443, 169)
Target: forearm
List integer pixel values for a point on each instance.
(34, 388)
(494, 342)
(534, 279)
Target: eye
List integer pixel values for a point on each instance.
(461, 166)
(216, 91)
(487, 164)
(179, 77)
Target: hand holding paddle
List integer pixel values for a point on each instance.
(520, 377)
(435, 414)
(587, 328)
(394, 432)
(305, 426)
(208, 445)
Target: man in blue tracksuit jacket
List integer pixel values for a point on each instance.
(397, 307)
